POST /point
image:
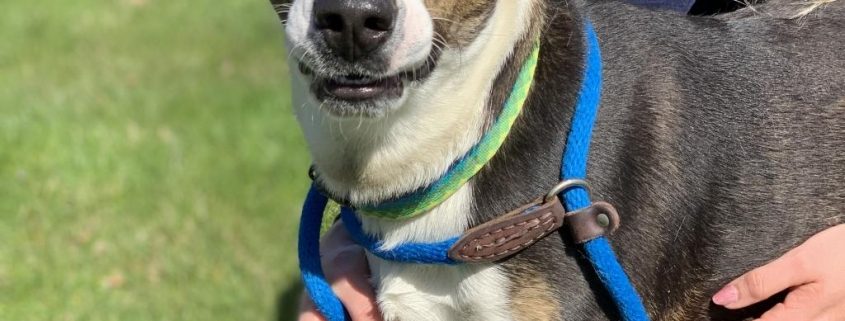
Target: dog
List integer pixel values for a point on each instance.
(720, 140)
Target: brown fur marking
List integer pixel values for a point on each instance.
(458, 22)
(533, 300)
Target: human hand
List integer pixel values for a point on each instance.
(346, 269)
(814, 273)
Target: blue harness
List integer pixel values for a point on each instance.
(573, 167)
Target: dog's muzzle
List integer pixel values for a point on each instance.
(356, 33)
(359, 56)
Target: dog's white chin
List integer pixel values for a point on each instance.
(356, 111)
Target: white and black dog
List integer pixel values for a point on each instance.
(721, 140)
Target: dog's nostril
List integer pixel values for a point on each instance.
(378, 24)
(333, 22)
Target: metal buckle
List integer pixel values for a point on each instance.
(565, 185)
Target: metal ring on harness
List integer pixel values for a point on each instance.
(565, 185)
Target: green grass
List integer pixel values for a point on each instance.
(150, 165)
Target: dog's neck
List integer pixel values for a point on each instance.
(370, 160)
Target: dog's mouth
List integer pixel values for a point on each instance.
(354, 88)
(351, 94)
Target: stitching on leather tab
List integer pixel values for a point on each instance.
(549, 217)
(510, 227)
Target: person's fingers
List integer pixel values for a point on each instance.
(345, 267)
(347, 271)
(835, 310)
(335, 237)
(834, 313)
(800, 304)
(781, 312)
(788, 271)
(307, 310)
(812, 274)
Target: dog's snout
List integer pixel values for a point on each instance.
(353, 29)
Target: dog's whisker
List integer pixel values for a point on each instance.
(438, 42)
(444, 19)
(342, 134)
(282, 9)
(360, 121)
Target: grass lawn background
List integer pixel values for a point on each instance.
(150, 165)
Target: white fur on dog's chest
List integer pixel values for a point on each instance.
(410, 292)
(441, 293)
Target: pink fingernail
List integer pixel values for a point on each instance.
(727, 295)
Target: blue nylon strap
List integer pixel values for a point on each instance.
(419, 253)
(613, 276)
(314, 279)
(309, 259)
(574, 166)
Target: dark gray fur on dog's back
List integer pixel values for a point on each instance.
(721, 141)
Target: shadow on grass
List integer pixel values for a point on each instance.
(287, 302)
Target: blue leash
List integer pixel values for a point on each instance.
(313, 277)
(574, 166)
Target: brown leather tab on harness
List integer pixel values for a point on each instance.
(510, 233)
(592, 222)
(521, 228)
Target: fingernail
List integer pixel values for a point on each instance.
(727, 295)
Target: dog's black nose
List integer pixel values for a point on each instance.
(355, 28)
